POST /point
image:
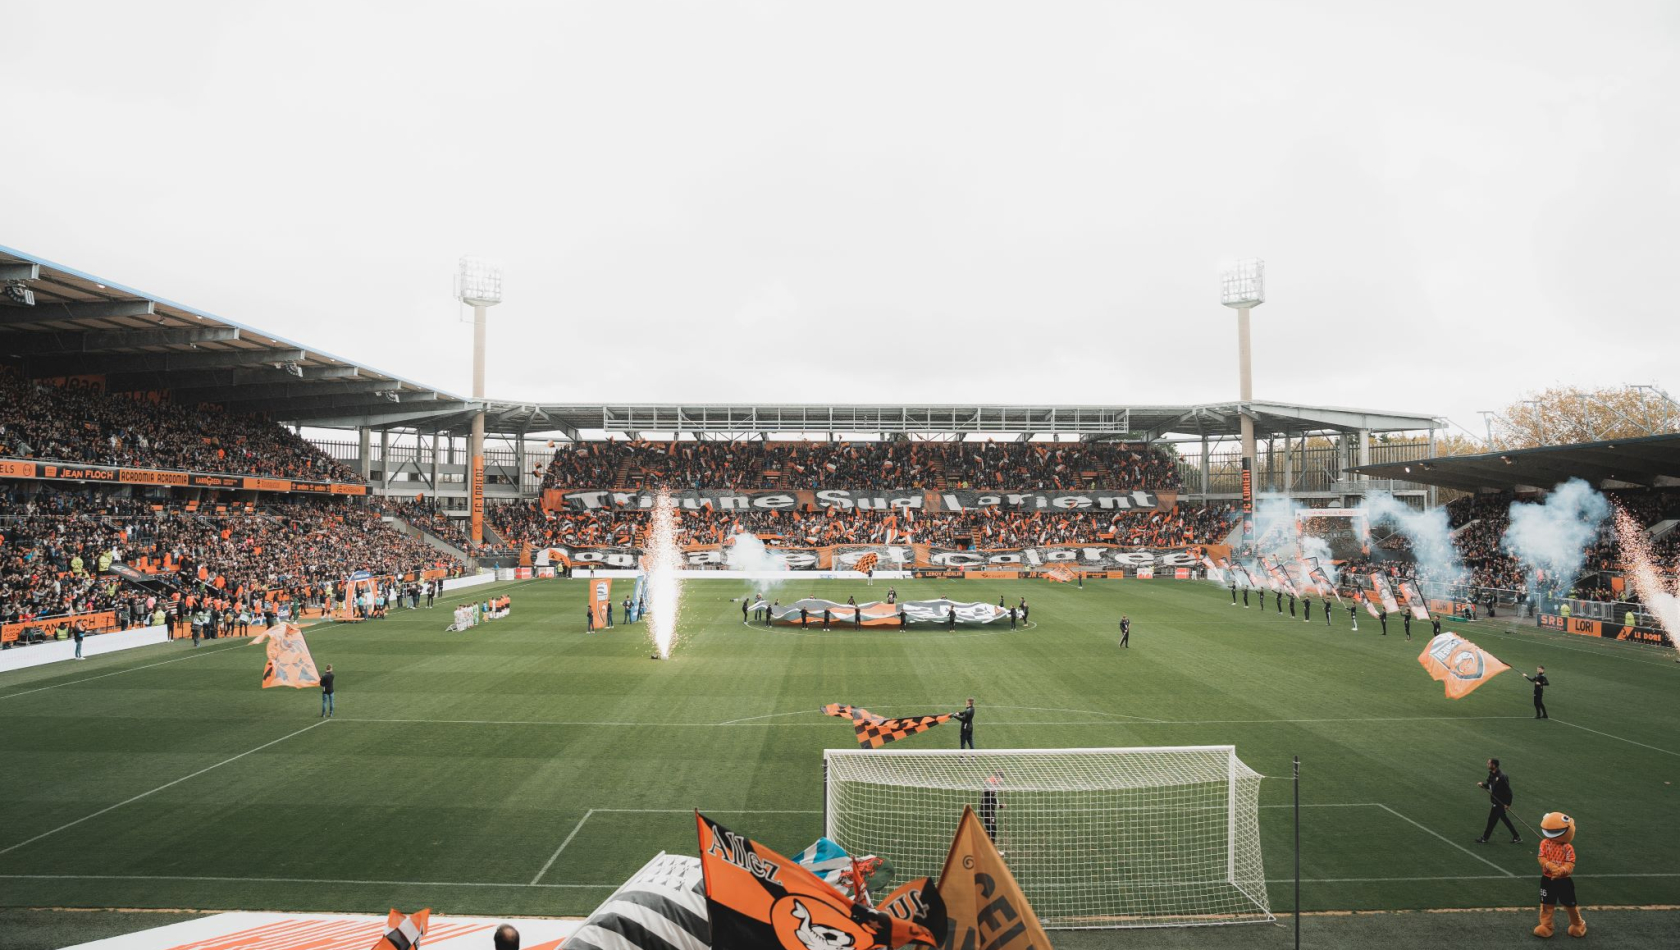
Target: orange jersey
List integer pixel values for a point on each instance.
(1557, 860)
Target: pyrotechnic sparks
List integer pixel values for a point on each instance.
(664, 558)
(1662, 602)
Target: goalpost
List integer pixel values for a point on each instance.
(1097, 838)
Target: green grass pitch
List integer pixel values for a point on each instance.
(461, 767)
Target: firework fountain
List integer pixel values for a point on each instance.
(1659, 599)
(664, 559)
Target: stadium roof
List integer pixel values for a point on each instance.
(84, 325)
(1648, 460)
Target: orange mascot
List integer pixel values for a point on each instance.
(1557, 869)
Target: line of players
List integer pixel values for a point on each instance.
(1352, 609)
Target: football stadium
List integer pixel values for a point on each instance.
(296, 652)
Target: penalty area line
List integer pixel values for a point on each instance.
(556, 855)
(128, 801)
(1430, 831)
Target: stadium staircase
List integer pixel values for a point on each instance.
(621, 477)
(414, 531)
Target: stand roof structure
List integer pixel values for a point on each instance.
(81, 325)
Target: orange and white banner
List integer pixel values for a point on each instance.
(600, 596)
(1459, 664)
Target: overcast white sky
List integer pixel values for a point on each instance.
(880, 202)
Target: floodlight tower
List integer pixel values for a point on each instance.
(478, 284)
(1242, 287)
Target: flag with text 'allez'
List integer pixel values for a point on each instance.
(875, 731)
(984, 907)
(759, 900)
(289, 662)
(1460, 664)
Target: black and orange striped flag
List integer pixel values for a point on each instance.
(867, 563)
(875, 731)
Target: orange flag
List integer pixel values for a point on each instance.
(403, 932)
(757, 899)
(1460, 664)
(289, 662)
(984, 907)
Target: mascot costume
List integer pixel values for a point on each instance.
(1557, 869)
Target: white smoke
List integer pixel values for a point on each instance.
(1278, 537)
(1431, 538)
(747, 553)
(1551, 538)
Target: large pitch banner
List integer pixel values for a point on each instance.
(840, 499)
(904, 557)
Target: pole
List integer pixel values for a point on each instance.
(477, 449)
(1298, 851)
(1245, 380)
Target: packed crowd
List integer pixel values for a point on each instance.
(861, 465)
(426, 517)
(56, 548)
(78, 422)
(990, 528)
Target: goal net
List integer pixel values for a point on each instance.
(1097, 838)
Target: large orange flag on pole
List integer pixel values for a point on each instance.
(1460, 664)
(289, 662)
(984, 907)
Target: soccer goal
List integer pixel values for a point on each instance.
(1097, 838)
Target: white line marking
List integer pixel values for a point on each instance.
(1446, 839)
(120, 672)
(1461, 877)
(996, 724)
(1618, 738)
(160, 788)
(615, 886)
(556, 855)
(285, 880)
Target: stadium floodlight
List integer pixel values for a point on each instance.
(1097, 838)
(1242, 286)
(478, 284)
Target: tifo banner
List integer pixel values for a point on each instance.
(1460, 664)
(54, 471)
(841, 499)
(882, 614)
(903, 557)
(600, 597)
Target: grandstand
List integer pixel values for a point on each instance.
(163, 469)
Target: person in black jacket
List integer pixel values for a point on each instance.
(327, 693)
(1540, 683)
(965, 717)
(1498, 787)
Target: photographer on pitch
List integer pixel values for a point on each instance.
(1498, 787)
